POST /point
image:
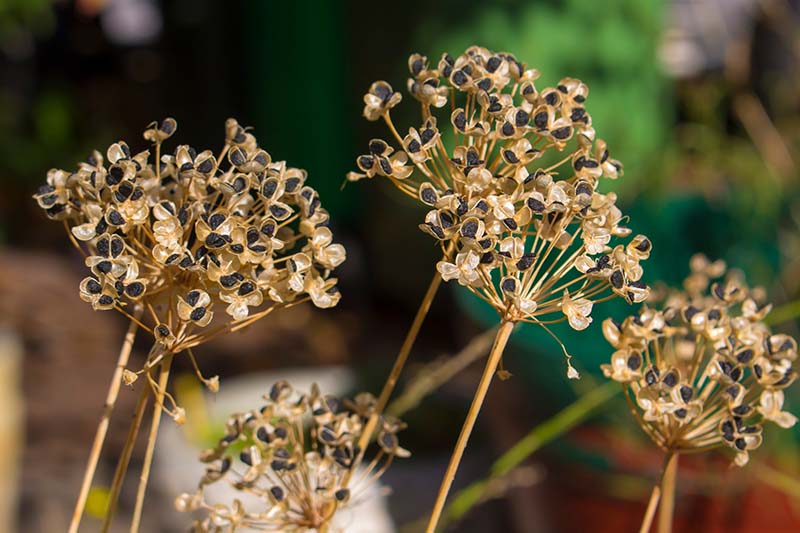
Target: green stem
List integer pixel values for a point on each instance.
(784, 313)
(543, 434)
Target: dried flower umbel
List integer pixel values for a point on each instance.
(704, 371)
(298, 456)
(190, 245)
(514, 201)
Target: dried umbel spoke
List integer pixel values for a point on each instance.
(704, 371)
(297, 458)
(515, 197)
(204, 243)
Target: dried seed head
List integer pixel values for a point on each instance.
(195, 238)
(704, 371)
(297, 454)
(514, 200)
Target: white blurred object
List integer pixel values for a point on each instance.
(10, 428)
(177, 468)
(131, 22)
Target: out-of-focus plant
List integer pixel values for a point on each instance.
(702, 372)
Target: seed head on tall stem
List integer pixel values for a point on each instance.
(702, 371)
(169, 241)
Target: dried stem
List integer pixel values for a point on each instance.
(399, 363)
(102, 427)
(668, 470)
(151, 442)
(650, 513)
(125, 457)
(433, 375)
(495, 356)
(668, 494)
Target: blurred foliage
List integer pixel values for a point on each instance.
(609, 45)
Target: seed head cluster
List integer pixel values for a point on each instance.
(704, 371)
(297, 458)
(188, 234)
(514, 202)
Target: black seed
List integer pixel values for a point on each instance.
(116, 247)
(551, 98)
(714, 314)
(487, 258)
(459, 78)
(383, 92)
(246, 288)
(510, 223)
(741, 410)
(460, 121)
(484, 84)
(104, 267)
(215, 240)
(198, 314)
(106, 300)
(634, 361)
(577, 114)
(562, 133)
(644, 245)
(238, 157)
(740, 443)
(521, 118)
(192, 298)
(583, 188)
(650, 377)
(469, 229)
(414, 146)
(365, 162)
(526, 261)
(745, 356)
(617, 279)
(115, 175)
(115, 218)
(509, 285)
(680, 413)
(511, 157)
(281, 433)
(446, 219)
(341, 494)
(246, 458)
(437, 230)
(277, 493)
(428, 195)
(103, 247)
(670, 380)
(134, 289)
(535, 205)
(690, 311)
(507, 129)
(94, 287)
(686, 393)
(385, 165)
(237, 248)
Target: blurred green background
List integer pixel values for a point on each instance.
(700, 100)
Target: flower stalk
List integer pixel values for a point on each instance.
(102, 427)
(501, 340)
